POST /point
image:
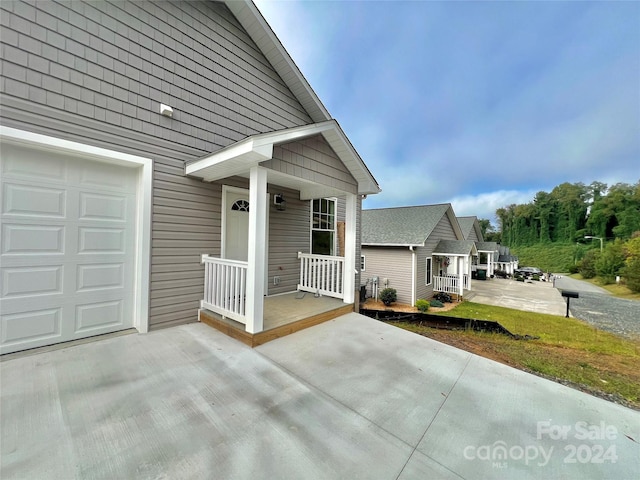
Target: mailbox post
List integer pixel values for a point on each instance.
(568, 294)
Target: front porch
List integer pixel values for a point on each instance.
(283, 315)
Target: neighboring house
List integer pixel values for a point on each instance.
(487, 258)
(415, 250)
(471, 228)
(153, 151)
(506, 262)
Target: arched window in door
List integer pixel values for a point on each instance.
(240, 206)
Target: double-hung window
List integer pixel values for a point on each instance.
(428, 277)
(323, 226)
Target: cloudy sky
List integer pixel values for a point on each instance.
(481, 104)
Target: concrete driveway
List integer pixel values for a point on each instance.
(351, 398)
(532, 296)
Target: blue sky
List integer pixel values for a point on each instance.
(481, 104)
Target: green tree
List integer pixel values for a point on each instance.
(631, 270)
(610, 262)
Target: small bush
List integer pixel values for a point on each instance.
(535, 277)
(437, 304)
(442, 297)
(388, 296)
(422, 305)
(573, 268)
(519, 279)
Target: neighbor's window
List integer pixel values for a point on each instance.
(362, 263)
(323, 226)
(428, 278)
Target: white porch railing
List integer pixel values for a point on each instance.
(225, 287)
(322, 274)
(450, 283)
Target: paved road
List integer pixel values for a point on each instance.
(597, 307)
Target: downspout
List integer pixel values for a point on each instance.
(413, 275)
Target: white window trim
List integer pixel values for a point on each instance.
(335, 223)
(143, 207)
(428, 267)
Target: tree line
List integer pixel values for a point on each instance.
(570, 212)
(609, 218)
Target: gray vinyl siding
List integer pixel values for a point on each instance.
(96, 72)
(392, 263)
(312, 159)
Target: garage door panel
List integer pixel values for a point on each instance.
(33, 201)
(93, 318)
(93, 277)
(103, 207)
(101, 240)
(39, 165)
(37, 327)
(25, 239)
(29, 281)
(105, 176)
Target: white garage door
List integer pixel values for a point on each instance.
(67, 256)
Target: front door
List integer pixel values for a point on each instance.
(236, 236)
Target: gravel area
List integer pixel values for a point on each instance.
(601, 310)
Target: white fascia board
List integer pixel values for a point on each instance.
(245, 152)
(407, 245)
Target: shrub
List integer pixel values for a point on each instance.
(535, 277)
(388, 296)
(573, 268)
(422, 305)
(442, 297)
(610, 261)
(437, 304)
(519, 279)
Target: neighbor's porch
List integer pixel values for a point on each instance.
(452, 262)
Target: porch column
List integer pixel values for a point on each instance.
(350, 248)
(460, 269)
(467, 261)
(257, 249)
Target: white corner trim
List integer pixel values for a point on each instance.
(143, 208)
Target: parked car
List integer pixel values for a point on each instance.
(529, 272)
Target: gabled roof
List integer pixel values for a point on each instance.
(238, 158)
(404, 226)
(455, 248)
(467, 224)
(487, 246)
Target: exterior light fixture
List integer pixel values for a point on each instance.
(279, 202)
(166, 110)
(597, 238)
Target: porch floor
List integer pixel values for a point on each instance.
(283, 315)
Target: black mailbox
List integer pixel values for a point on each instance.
(570, 294)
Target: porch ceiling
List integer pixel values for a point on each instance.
(239, 158)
